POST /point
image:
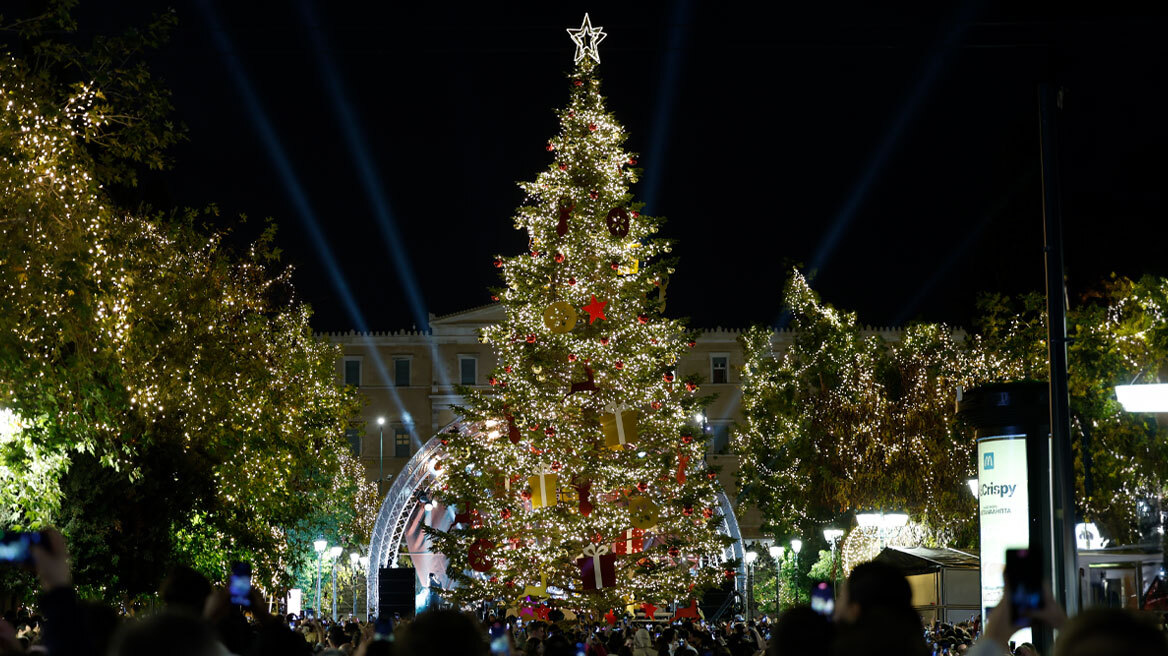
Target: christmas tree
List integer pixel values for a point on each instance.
(580, 475)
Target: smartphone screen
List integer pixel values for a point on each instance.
(1024, 583)
(239, 587)
(15, 547)
(823, 598)
(499, 642)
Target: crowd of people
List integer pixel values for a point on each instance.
(873, 615)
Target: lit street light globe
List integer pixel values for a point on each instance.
(320, 545)
(796, 546)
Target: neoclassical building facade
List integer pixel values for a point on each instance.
(408, 379)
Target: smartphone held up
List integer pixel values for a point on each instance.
(16, 546)
(1023, 584)
(239, 586)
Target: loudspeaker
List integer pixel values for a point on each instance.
(395, 591)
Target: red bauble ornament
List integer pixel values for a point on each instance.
(593, 195)
(551, 146)
(686, 439)
(493, 381)
(531, 338)
(506, 513)
(692, 344)
(507, 368)
(511, 584)
(653, 340)
(494, 297)
(556, 466)
(729, 573)
(674, 552)
(559, 258)
(636, 215)
(708, 512)
(597, 538)
(604, 341)
(690, 386)
(632, 162)
(668, 378)
(619, 365)
(494, 579)
(711, 475)
(642, 486)
(571, 357)
(571, 114)
(592, 127)
(656, 405)
(571, 281)
(549, 431)
(617, 221)
(578, 83)
(479, 555)
(642, 319)
(615, 266)
(687, 511)
(498, 264)
(535, 253)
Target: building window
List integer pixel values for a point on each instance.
(354, 437)
(719, 437)
(401, 372)
(468, 369)
(401, 442)
(719, 368)
(353, 372)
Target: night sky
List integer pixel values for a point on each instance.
(895, 151)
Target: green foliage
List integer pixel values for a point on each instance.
(171, 403)
(842, 421)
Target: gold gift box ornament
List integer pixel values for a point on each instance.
(619, 426)
(543, 489)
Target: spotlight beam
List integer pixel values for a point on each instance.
(291, 183)
(667, 90)
(367, 172)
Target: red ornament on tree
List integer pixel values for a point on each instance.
(642, 319)
(692, 343)
(559, 258)
(604, 341)
(632, 162)
(531, 338)
(571, 357)
(563, 167)
(686, 439)
(708, 512)
(592, 127)
(505, 513)
(551, 146)
(593, 195)
(642, 486)
(690, 386)
(668, 378)
(656, 405)
(619, 365)
(498, 264)
(507, 368)
(615, 266)
(687, 511)
(595, 309)
(493, 381)
(578, 83)
(571, 281)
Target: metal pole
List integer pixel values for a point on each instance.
(1065, 558)
(749, 588)
(319, 564)
(777, 602)
(354, 591)
(334, 583)
(380, 459)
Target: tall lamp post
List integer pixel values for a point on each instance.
(796, 547)
(832, 535)
(365, 568)
(354, 557)
(777, 554)
(333, 554)
(320, 546)
(751, 555)
(380, 454)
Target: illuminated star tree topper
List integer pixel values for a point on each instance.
(593, 35)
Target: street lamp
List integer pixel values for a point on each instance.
(380, 454)
(751, 556)
(1148, 397)
(320, 546)
(883, 523)
(777, 553)
(333, 553)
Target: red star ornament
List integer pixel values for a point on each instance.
(650, 610)
(595, 309)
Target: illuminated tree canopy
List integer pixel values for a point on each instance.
(168, 401)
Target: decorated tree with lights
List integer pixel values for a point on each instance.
(843, 422)
(580, 475)
(162, 397)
